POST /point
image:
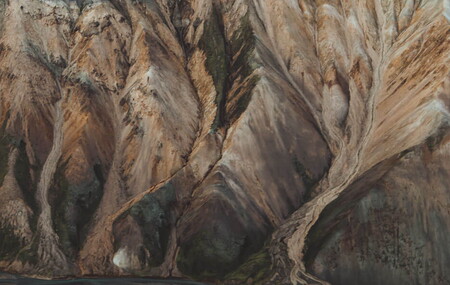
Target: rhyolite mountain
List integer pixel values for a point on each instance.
(228, 141)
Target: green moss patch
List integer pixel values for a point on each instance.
(242, 46)
(229, 63)
(213, 44)
(254, 270)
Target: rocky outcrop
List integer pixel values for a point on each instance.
(222, 140)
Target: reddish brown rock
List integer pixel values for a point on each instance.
(224, 140)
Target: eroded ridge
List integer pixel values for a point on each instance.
(172, 138)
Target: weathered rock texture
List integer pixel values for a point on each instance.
(243, 141)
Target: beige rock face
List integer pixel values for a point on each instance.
(223, 139)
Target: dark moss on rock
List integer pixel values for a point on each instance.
(74, 206)
(242, 46)
(22, 172)
(253, 271)
(5, 143)
(211, 253)
(153, 215)
(9, 243)
(213, 44)
(28, 254)
(229, 61)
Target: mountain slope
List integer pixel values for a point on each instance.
(172, 138)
